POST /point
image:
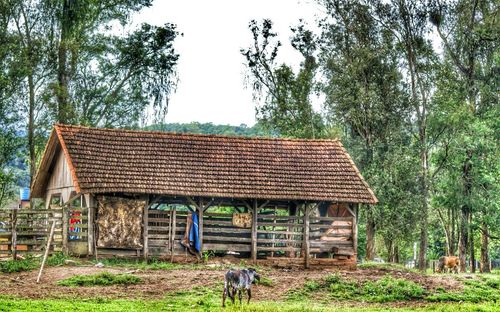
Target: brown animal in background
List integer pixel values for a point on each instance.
(448, 263)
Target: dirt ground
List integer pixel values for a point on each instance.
(157, 283)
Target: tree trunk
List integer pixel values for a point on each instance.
(462, 241)
(465, 212)
(31, 128)
(422, 263)
(390, 250)
(471, 246)
(485, 258)
(62, 92)
(370, 234)
(453, 243)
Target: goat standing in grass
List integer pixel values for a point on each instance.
(238, 280)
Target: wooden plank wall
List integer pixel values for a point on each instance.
(332, 234)
(220, 234)
(166, 229)
(60, 181)
(279, 235)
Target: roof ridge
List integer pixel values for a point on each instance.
(336, 140)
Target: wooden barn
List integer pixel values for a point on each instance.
(143, 193)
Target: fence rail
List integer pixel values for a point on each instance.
(25, 231)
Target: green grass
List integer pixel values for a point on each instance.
(264, 281)
(30, 263)
(11, 266)
(483, 288)
(57, 259)
(204, 300)
(386, 289)
(385, 266)
(101, 279)
(157, 264)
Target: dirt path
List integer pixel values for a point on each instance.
(159, 282)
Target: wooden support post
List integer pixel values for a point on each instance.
(173, 235)
(65, 225)
(90, 224)
(145, 238)
(254, 231)
(306, 236)
(201, 208)
(274, 229)
(169, 243)
(14, 233)
(355, 231)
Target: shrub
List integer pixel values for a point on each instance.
(332, 279)
(11, 266)
(311, 285)
(101, 279)
(57, 259)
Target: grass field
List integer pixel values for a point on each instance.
(158, 286)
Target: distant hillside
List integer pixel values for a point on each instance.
(210, 128)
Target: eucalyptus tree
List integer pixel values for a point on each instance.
(470, 34)
(286, 95)
(9, 141)
(75, 68)
(359, 62)
(407, 20)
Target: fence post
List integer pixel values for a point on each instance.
(306, 236)
(13, 223)
(65, 230)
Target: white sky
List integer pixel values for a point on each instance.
(211, 68)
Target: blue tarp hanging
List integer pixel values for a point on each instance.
(193, 233)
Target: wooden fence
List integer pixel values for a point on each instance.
(25, 231)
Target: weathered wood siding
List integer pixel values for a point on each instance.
(60, 180)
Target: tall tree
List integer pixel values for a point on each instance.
(9, 117)
(76, 69)
(408, 21)
(31, 65)
(469, 32)
(363, 90)
(286, 95)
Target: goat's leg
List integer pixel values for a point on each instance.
(249, 293)
(232, 295)
(239, 295)
(224, 294)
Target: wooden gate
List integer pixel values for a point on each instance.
(25, 231)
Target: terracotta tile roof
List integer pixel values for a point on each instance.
(113, 160)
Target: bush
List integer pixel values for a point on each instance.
(311, 285)
(11, 266)
(332, 279)
(57, 259)
(101, 279)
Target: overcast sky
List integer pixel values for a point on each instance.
(211, 68)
